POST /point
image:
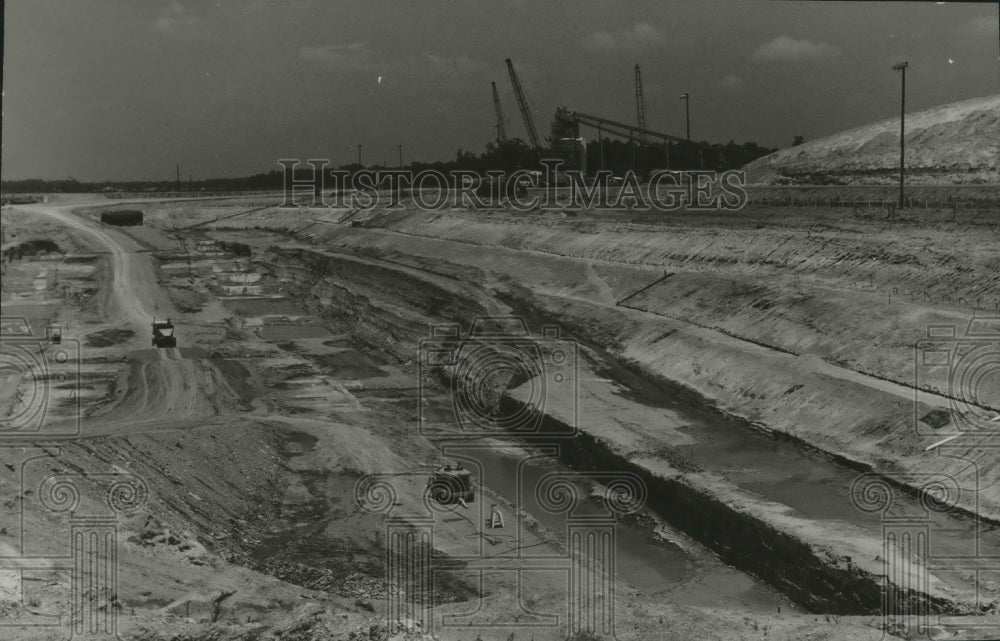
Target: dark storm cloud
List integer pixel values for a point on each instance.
(124, 89)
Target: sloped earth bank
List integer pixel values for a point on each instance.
(948, 144)
(801, 324)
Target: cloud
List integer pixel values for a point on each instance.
(356, 56)
(353, 56)
(641, 35)
(731, 83)
(981, 26)
(453, 65)
(176, 20)
(787, 48)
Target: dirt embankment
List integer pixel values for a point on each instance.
(951, 143)
(390, 308)
(803, 322)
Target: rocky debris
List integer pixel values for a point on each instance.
(203, 608)
(306, 623)
(108, 337)
(155, 534)
(343, 582)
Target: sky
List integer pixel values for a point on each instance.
(127, 89)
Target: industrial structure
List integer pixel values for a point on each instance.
(566, 136)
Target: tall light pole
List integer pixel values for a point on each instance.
(901, 67)
(600, 137)
(686, 97)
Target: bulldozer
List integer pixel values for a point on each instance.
(163, 334)
(451, 484)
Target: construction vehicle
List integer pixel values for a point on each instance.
(163, 334)
(451, 484)
(522, 103)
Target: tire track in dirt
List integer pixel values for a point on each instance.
(163, 390)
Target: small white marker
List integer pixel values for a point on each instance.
(941, 442)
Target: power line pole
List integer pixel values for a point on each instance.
(640, 104)
(359, 156)
(686, 97)
(901, 67)
(400, 147)
(600, 137)
(501, 129)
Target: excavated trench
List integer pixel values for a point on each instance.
(807, 576)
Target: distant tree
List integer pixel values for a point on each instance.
(798, 141)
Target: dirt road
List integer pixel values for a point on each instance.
(162, 389)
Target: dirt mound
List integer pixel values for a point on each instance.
(955, 143)
(109, 337)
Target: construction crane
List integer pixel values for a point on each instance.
(640, 105)
(522, 102)
(501, 129)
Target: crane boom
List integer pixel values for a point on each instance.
(501, 129)
(640, 105)
(522, 102)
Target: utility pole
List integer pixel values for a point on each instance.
(640, 104)
(686, 97)
(501, 130)
(901, 67)
(359, 156)
(178, 177)
(400, 148)
(600, 137)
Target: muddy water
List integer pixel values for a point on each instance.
(780, 469)
(684, 573)
(783, 471)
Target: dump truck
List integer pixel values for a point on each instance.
(163, 334)
(451, 484)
